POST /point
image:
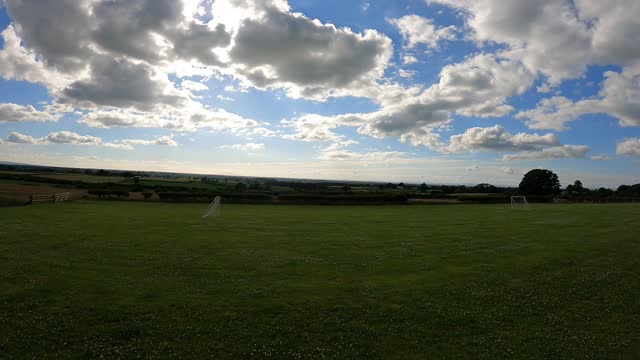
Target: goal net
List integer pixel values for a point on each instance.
(519, 203)
(214, 208)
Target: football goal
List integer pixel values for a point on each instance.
(214, 208)
(519, 203)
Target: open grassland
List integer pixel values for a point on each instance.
(122, 279)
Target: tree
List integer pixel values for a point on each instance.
(576, 188)
(241, 187)
(424, 187)
(540, 182)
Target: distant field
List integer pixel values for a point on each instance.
(174, 183)
(179, 180)
(15, 172)
(151, 280)
(83, 177)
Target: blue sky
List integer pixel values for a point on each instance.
(442, 91)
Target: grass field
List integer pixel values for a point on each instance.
(126, 280)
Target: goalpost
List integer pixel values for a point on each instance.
(214, 208)
(519, 203)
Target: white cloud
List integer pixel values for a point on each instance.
(558, 152)
(601, 157)
(313, 128)
(193, 86)
(118, 146)
(161, 141)
(259, 131)
(507, 170)
(346, 155)
(478, 86)
(407, 74)
(190, 118)
(19, 63)
(409, 59)
(583, 32)
(18, 138)
(17, 113)
(618, 97)
(629, 147)
(417, 30)
(496, 138)
(224, 98)
(68, 137)
(245, 147)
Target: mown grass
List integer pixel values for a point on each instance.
(125, 280)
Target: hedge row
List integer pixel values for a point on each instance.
(342, 198)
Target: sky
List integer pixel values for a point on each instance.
(436, 91)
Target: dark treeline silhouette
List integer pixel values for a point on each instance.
(538, 185)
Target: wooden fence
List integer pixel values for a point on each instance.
(54, 198)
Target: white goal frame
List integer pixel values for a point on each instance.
(519, 203)
(214, 208)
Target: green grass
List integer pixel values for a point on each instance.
(126, 280)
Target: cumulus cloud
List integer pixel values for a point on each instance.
(409, 59)
(124, 28)
(187, 119)
(584, 32)
(507, 170)
(18, 113)
(629, 147)
(312, 127)
(22, 64)
(558, 152)
(417, 30)
(601, 157)
(117, 60)
(244, 147)
(310, 59)
(496, 138)
(129, 143)
(68, 137)
(619, 97)
(123, 84)
(117, 57)
(18, 138)
(478, 86)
